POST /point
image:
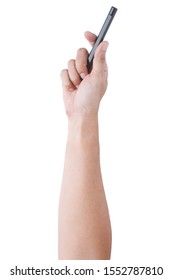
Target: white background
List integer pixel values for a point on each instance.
(37, 38)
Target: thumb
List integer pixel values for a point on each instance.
(99, 62)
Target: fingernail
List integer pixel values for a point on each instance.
(82, 75)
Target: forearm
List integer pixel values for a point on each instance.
(84, 226)
(82, 160)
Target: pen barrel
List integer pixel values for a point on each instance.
(101, 35)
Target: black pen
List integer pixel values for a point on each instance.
(101, 35)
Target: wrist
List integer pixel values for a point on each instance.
(83, 127)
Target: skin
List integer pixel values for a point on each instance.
(84, 231)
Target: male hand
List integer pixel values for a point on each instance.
(83, 91)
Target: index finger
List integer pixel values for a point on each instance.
(91, 37)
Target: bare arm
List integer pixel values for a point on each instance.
(84, 224)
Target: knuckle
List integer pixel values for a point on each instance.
(81, 50)
(71, 61)
(82, 53)
(62, 72)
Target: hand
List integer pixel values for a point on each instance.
(83, 91)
